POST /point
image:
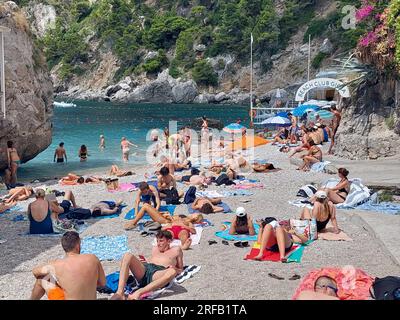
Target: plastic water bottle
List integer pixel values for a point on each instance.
(313, 229)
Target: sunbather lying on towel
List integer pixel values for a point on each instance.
(75, 277)
(207, 205)
(160, 217)
(242, 223)
(198, 180)
(276, 238)
(18, 194)
(72, 179)
(323, 211)
(325, 288)
(181, 230)
(163, 266)
(104, 208)
(119, 173)
(258, 167)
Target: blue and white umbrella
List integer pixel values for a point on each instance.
(302, 109)
(277, 121)
(234, 128)
(323, 115)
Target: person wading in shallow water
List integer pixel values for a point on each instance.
(125, 144)
(60, 153)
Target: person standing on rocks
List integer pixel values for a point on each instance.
(335, 125)
(13, 161)
(60, 153)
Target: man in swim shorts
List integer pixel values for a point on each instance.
(147, 194)
(163, 266)
(75, 277)
(60, 153)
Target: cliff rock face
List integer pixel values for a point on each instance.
(364, 132)
(29, 90)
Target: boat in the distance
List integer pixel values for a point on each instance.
(64, 104)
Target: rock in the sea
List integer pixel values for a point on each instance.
(221, 97)
(29, 91)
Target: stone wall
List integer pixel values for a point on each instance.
(29, 90)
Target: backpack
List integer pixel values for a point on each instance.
(307, 191)
(194, 171)
(172, 196)
(190, 195)
(224, 179)
(387, 288)
(151, 227)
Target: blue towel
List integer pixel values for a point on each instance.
(237, 237)
(227, 209)
(131, 214)
(383, 207)
(105, 247)
(150, 183)
(13, 209)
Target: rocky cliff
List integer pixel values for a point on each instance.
(29, 90)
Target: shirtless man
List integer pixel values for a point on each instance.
(335, 125)
(76, 277)
(163, 266)
(166, 181)
(206, 205)
(60, 153)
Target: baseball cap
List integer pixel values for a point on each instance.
(240, 212)
(321, 194)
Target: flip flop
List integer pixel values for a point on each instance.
(272, 275)
(225, 242)
(211, 242)
(295, 277)
(238, 244)
(245, 244)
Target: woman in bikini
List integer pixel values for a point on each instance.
(13, 161)
(182, 229)
(339, 193)
(322, 212)
(242, 223)
(305, 142)
(18, 194)
(125, 144)
(314, 156)
(276, 238)
(83, 153)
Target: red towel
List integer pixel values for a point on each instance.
(268, 255)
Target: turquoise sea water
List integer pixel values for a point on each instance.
(83, 125)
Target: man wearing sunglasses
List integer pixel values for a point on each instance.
(325, 288)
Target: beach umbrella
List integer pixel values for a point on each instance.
(234, 128)
(302, 109)
(323, 114)
(277, 121)
(282, 114)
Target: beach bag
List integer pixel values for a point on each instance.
(190, 195)
(79, 214)
(112, 184)
(307, 191)
(307, 228)
(224, 179)
(151, 227)
(387, 288)
(194, 171)
(172, 196)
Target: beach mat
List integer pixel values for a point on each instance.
(125, 187)
(237, 237)
(195, 239)
(294, 255)
(204, 223)
(226, 207)
(153, 183)
(105, 247)
(130, 215)
(331, 236)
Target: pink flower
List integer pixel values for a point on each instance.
(364, 12)
(368, 39)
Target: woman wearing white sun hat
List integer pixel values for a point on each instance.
(242, 223)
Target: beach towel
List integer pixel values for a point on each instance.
(319, 166)
(353, 284)
(235, 193)
(301, 204)
(13, 209)
(248, 185)
(226, 207)
(106, 247)
(294, 255)
(176, 243)
(330, 236)
(113, 279)
(204, 223)
(153, 183)
(237, 237)
(111, 216)
(130, 215)
(212, 194)
(384, 207)
(125, 187)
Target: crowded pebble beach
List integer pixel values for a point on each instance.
(224, 273)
